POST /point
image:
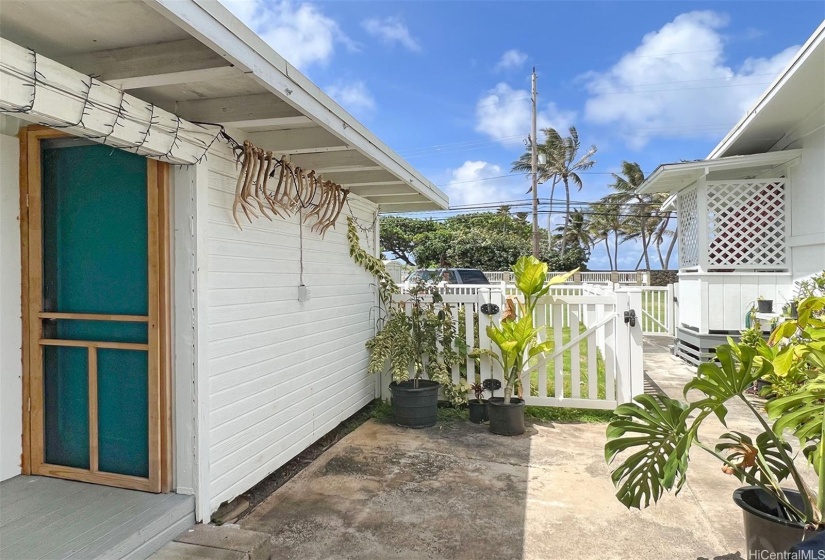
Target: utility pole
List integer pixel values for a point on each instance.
(535, 171)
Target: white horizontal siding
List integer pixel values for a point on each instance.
(281, 373)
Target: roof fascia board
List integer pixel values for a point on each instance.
(212, 24)
(741, 127)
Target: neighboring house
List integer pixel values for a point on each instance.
(752, 215)
(163, 348)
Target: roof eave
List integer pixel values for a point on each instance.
(212, 24)
(741, 127)
(693, 170)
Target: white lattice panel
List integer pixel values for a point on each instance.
(746, 223)
(688, 228)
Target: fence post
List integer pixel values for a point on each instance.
(488, 367)
(675, 308)
(629, 346)
(670, 308)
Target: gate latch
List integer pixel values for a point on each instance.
(630, 318)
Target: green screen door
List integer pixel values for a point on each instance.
(97, 327)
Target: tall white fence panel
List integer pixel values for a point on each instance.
(597, 357)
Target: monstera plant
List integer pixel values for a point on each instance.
(516, 338)
(655, 434)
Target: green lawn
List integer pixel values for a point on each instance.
(656, 308)
(567, 358)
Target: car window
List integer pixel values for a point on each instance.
(448, 276)
(472, 276)
(425, 275)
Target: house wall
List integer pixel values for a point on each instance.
(716, 302)
(11, 327)
(281, 373)
(807, 183)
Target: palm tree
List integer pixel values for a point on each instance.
(604, 222)
(562, 164)
(579, 232)
(642, 216)
(659, 236)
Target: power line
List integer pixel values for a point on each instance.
(480, 144)
(631, 91)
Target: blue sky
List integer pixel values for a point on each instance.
(446, 84)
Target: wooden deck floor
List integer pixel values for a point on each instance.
(49, 518)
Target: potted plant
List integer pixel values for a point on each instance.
(517, 341)
(764, 305)
(655, 435)
(422, 342)
(478, 405)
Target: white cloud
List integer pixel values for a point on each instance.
(478, 182)
(391, 30)
(652, 92)
(503, 114)
(353, 96)
(298, 31)
(510, 60)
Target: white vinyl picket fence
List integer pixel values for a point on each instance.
(597, 361)
(657, 313)
(631, 278)
(658, 310)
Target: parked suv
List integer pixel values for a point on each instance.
(448, 275)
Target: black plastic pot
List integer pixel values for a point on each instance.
(764, 305)
(415, 404)
(794, 310)
(478, 410)
(766, 528)
(506, 419)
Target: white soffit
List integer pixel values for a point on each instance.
(792, 101)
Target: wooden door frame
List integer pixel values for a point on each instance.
(159, 321)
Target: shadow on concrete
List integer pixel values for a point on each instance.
(456, 491)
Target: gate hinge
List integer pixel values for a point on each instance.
(630, 318)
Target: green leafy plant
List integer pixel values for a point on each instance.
(750, 337)
(423, 341)
(372, 264)
(654, 434)
(515, 336)
(810, 287)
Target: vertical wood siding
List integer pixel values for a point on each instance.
(281, 373)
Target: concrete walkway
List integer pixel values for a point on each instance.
(456, 491)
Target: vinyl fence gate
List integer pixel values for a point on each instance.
(597, 360)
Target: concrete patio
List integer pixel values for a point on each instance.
(456, 491)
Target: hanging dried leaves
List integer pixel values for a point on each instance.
(267, 184)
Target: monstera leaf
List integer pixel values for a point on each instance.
(654, 431)
(760, 459)
(802, 413)
(737, 370)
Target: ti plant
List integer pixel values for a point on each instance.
(516, 335)
(478, 390)
(655, 433)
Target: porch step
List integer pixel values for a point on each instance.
(225, 542)
(49, 518)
